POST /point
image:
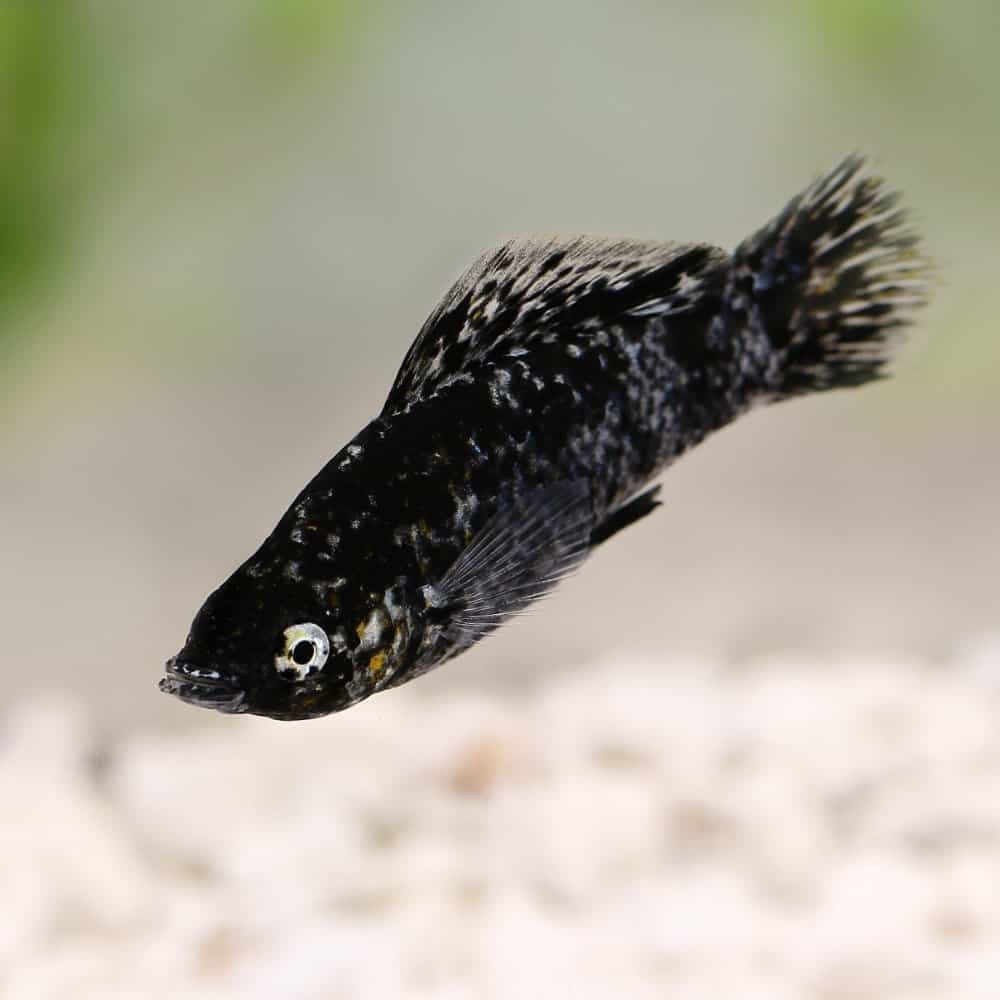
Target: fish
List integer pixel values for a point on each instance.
(553, 383)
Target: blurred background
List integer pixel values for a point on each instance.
(222, 224)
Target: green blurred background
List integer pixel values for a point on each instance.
(221, 225)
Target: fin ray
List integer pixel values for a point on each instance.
(524, 551)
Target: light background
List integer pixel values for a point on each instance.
(252, 207)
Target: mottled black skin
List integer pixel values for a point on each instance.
(592, 362)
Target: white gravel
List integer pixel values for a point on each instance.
(794, 829)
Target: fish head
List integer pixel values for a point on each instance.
(267, 642)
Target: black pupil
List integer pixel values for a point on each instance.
(302, 652)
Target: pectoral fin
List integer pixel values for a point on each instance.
(516, 558)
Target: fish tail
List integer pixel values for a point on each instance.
(826, 288)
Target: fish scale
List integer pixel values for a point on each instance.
(555, 379)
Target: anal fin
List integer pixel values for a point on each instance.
(636, 509)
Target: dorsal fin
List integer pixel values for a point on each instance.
(538, 287)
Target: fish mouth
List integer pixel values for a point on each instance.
(206, 688)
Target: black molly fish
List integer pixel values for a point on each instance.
(555, 379)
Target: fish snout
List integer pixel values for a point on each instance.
(203, 686)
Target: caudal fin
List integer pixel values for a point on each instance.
(830, 283)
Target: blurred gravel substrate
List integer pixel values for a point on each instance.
(642, 829)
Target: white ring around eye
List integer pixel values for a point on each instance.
(290, 663)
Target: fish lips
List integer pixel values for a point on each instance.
(201, 686)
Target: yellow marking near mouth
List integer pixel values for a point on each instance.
(376, 665)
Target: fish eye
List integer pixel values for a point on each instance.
(305, 652)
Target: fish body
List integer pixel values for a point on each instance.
(553, 382)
